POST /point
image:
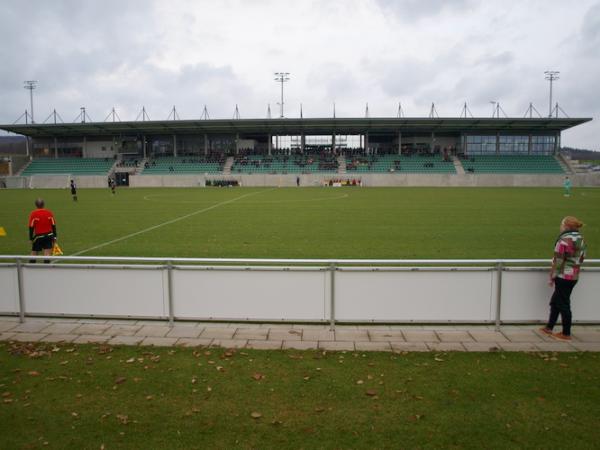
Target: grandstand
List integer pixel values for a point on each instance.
(512, 164)
(282, 164)
(183, 165)
(69, 166)
(384, 150)
(400, 164)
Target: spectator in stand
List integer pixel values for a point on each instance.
(569, 253)
(42, 230)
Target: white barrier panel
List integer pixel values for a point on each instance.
(526, 296)
(9, 290)
(409, 296)
(251, 295)
(95, 291)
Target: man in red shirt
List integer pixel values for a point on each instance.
(42, 230)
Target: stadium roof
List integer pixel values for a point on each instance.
(312, 126)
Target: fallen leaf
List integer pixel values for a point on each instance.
(371, 392)
(149, 397)
(130, 360)
(255, 415)
(120, 380)
(258, 376)
(124, 419)
(33, 373)
(319, 409)
(360, 382)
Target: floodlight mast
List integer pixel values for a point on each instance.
(551, 76)
(30, 85)
(281, 77)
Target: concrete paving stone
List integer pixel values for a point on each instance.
(6, 336)
(587, 346)
(218, 333)
(122, 322)
(229, 343)
(264, 345)
(97, 321)
(584, 336)
(284, 335)
(219, 325)
(454, 336)
(515, 335)
(336, 345)
(310, 326)
(351, 335)
(482, 346)
(122, 330)
(31, 326)
(159, 341)
(91, 328)
(300, 345)
(445, 346)
(5, 326)
(28, 337)
(383, 335)
(420, 336)
(373, 327)
(488, 336)
(185, 331)
(60, 337)
(409, 347)
(278, 326)
(153, 330)
(318, 335)
(151, 322)
(194, 342)
(251, 333)
(518, 347)
(125, 340)
(91, 339)
(61, 328)
(555, 347)
(378, 346)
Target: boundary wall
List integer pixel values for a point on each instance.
(265, 180)
(308, 290)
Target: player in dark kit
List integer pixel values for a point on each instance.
(74, 190)
(42, 230)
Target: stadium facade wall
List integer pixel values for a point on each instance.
(250, 293)
(264, 180)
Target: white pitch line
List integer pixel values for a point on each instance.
(169, 222)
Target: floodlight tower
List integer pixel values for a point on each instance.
(551, 75)
(282, 77)
(30, 85)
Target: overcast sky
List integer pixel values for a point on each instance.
(157, 54)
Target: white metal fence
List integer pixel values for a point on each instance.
(298, 290)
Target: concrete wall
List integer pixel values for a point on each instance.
(93, 149)
(166, 181)
(373, 180)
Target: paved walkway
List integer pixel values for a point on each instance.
(301, 337)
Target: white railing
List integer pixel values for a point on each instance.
(299, 290)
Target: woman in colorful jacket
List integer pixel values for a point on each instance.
(569, 253)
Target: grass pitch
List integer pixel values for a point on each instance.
(387, 223)
(93, 397)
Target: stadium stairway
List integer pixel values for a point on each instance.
(460, 170)
(566, 164)
(341, 164)
(228, 165)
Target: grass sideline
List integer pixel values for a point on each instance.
(86, 396)
(387, 223)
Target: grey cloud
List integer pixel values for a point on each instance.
(407, 10)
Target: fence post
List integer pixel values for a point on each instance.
(170, 291)
(499, 269)
(332, 297)
(20, 291)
